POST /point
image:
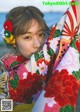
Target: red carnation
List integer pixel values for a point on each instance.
(26, 88)
(78, 45)
(63, 87)
(8, 26)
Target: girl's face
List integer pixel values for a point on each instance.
(31, 42)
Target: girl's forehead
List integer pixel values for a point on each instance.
(35, 22)
(35, 26)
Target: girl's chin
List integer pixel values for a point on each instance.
(28, 57)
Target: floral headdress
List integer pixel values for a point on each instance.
(7, 34)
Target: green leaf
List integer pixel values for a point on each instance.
(56, 33)
(67, 108)
(7, 34)
(50, 52)
(14, 83)
(38, 55)
(14, 63)
(76, 74)
(41, 55)
(16, 77)
(73, 43)
(37, 72)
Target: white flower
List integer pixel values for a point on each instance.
(43, 68)
(70, 61)
(25, 75)
(50, 102)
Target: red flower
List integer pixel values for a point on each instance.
(26, 88)
(8, 26)
(63, 87)
(42, 60)
(78, 45)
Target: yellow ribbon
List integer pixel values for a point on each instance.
(10, 40)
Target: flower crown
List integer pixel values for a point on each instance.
(7, 35)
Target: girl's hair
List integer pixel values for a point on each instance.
(21, 18)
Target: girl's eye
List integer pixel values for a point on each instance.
(41, 35)
(27, 37)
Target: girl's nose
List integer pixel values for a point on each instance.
(36, 43)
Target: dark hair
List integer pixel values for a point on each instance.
(21, 18)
